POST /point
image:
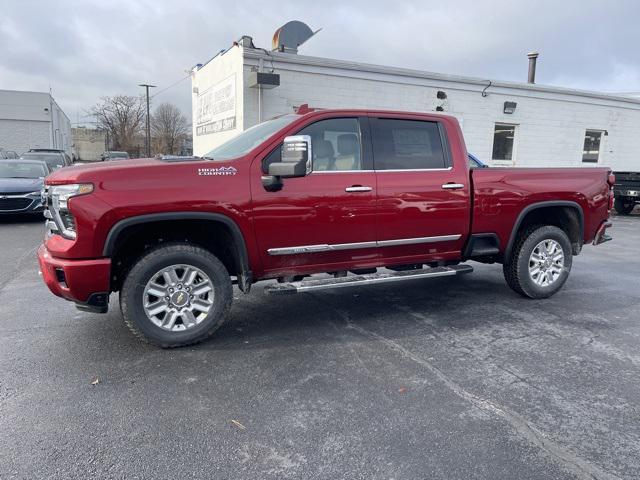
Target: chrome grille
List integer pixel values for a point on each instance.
(50, 224)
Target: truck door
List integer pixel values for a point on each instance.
(327, 218)
(423, 191)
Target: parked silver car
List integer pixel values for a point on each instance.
(54, 160)
(113, 155)
(7, 154)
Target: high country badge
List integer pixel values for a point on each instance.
(217, 171)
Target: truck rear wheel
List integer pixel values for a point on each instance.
(623, 205)
(540, 262)
(175, 295)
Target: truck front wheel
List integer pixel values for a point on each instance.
(623, 205)
(540, 261)
(175, 295)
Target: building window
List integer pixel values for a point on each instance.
(503, 136)
(591, 149)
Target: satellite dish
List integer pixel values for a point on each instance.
(290, 36)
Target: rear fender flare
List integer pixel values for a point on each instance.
(535, 206)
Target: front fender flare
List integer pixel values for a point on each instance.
(244, 278)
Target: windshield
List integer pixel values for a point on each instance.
(21, 170)
(249, 139)
(50, 158)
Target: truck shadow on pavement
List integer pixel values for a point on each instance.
(476, 304)
(466, 305)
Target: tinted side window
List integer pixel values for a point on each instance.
(407, 145)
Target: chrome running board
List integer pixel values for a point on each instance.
(367, 279)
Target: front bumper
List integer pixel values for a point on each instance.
(85, 282)
(19, 204)
(601, 234)
(626, 192)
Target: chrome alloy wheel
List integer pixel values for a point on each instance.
(546, 263)
(178, 297)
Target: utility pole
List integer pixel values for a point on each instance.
(146, 86)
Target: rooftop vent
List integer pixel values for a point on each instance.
(290, 36)
(533, 58)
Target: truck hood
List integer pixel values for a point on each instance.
(146, 173)
(114, 168)
(20, 185)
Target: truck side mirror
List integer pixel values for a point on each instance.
(295, 161)
(296, 158)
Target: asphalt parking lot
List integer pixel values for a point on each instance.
(450, 378)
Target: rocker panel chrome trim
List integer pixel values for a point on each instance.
(413, 241)
(352, 246)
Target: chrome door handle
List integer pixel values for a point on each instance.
(358, 188)
(453, 186)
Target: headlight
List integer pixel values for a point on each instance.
(60, 195)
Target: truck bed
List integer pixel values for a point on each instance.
(502, 195)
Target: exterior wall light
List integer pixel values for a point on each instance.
(510, 107)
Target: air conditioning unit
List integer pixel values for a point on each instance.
(264, 80)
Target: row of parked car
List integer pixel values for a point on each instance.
(22, 178)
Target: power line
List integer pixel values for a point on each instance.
(170, 86)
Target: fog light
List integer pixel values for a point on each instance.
(60, 276)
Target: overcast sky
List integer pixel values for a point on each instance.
(83, 50)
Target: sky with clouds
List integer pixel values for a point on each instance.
(83, 50)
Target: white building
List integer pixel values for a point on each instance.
(88, 143)
(504, 123)
(32, 120)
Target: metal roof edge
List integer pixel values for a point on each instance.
(25, 92)
(382, 69)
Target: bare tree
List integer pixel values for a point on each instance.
(123, 117)
(169, 127)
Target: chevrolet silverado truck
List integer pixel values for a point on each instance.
(315, 200)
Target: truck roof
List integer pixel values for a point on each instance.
(304, 110)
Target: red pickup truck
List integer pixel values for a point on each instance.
(359, 197)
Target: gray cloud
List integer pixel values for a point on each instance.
(84, 50)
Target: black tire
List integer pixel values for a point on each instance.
(132, 293)
(624, 206)
(516, 267)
